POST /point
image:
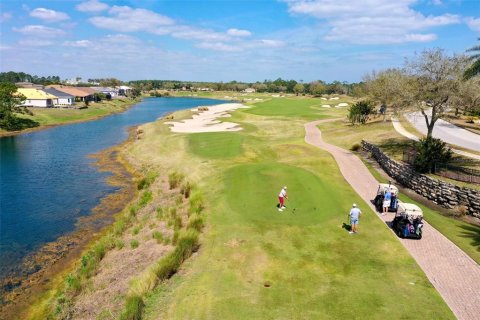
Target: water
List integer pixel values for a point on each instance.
(47, 181)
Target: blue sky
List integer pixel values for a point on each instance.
(227, 40)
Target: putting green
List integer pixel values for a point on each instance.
(307, 108)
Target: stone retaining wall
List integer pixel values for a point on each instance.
(442, 193)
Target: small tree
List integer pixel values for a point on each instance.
(359, 112)
(431, 151)
(298, 88)
(10, 102)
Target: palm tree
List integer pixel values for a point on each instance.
(474, 69)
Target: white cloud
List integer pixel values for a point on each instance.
(39, 31)
(371, 21)
(191, 33)
(78, 43)
(219, 46)
(92, 6)
(48, 15)
(5, 16)
(473, 23)
(238, 33)
(35, 42)
(126, 19)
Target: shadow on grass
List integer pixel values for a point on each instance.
(395, 146)
(17, 124)
(347, 227)
(473, 233)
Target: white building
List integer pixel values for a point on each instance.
(37, 98)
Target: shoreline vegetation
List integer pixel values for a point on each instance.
(169, 214)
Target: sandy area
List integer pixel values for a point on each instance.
(206, 120)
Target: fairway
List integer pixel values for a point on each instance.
(258, 263)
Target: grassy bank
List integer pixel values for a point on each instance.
(46, 117)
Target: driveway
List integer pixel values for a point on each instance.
(447, 132)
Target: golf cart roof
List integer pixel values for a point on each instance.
(383, 186)
(410, 209)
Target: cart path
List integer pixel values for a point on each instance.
(452, 272)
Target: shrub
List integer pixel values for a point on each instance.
(355, 147)
(174, 179)
(429, 152)
(359, 112)
(73, 284)
(119, 244)
(133, 308)
(134, 243)
(196, 203)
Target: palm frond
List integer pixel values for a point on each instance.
(475, 48)
(472, 71)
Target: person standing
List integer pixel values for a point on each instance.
(281, 198)
(354, 216)
(386, 201)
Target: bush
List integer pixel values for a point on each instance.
(355, 147)
(185, 189)
(195, 222)
(147, 181)
(145, 199)
(359, 112)
(429, 152)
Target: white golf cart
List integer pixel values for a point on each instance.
(382, 189)
(408, 221)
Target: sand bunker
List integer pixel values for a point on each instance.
(334, 98)
(326, 106)
(341, 105)
(206, 120)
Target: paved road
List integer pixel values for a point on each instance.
(446, 131)
(453, 273)
(400, 129)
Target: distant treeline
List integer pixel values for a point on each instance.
(280, 85)
(14, 77)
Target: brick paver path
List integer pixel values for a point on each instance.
(454, 274)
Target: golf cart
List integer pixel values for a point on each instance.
(408, 221)
(382, 189)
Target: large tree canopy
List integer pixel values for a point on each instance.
(474, 69)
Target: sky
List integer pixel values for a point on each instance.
(226, 40)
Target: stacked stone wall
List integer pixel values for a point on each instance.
(442, 193)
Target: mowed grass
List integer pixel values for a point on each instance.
(215, 145)
(299, 107)
(258, 263)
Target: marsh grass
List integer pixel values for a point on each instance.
(157, 235)
(134, 243)
(175, 179)
(133, 308)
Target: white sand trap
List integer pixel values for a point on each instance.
(341, 105)
(206, 121)
(326, 106)
(323, 98)
(334, 98)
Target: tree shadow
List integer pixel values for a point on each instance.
(16, 124)
(395, 146)
(472, 233)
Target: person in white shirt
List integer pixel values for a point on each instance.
(281, 198)
(354, 216)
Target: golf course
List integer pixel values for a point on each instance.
(255, 262)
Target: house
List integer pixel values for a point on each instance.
(250, 90)
(107, 91)
(63, 99)
(80, 95)
(124, 90)
(37, 98)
